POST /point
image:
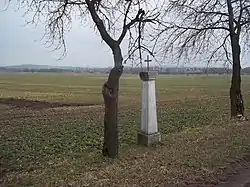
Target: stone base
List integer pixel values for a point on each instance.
(148, 139)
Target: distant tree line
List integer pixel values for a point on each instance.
(31, 70)
(129, 70)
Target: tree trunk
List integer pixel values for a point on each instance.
(237, 104)
(110, 95)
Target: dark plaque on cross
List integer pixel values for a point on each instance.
(147, 60)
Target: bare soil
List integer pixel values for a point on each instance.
(237, 174)
(35, 104)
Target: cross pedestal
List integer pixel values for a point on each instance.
(148, 133)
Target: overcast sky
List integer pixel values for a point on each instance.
(21, 44)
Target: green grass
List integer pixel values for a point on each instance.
(62, 146)
(67, 87)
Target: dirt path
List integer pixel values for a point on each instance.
(35, 104)
(240, 180)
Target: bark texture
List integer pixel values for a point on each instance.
(110, 94)
(237, 103)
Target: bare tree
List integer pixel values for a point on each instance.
(208, 30)
(109, 17)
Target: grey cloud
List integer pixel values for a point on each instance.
(22, 45)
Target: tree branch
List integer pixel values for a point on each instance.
(100, 26)
(201, 29)
(127, 26)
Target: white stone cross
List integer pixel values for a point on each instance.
(147, 60)
(148, 133)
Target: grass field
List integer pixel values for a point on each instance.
(61, 146)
